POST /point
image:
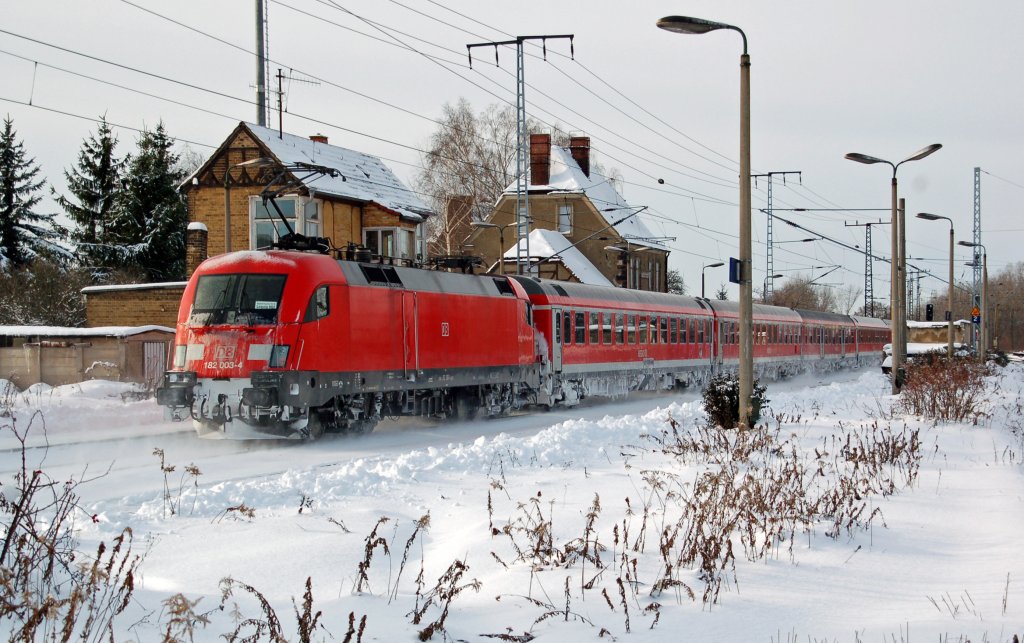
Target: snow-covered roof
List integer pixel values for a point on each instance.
(939, 325)
(545, 244)
(363, 177)
(65, 331)
(566, 176)
(152, 286)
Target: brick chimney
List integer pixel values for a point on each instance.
(196, 237)
(579, 147)
(319, 138)
(540, 159)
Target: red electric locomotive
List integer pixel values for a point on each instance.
(290, 344)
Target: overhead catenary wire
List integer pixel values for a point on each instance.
(673, 220)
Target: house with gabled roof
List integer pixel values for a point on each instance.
(582, 229)
(324, 191)
(347, 196)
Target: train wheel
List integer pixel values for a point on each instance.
(361, 427)
(467, 404)
(314, 426)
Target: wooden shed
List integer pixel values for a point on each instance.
(57, 355)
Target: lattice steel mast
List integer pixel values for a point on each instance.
(522, 142)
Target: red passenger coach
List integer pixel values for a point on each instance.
(609, 341)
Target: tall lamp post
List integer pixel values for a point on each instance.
(949, 296)
(984, 295)
(764, 289)
(687, 25)
(717, 264)
(501, 239)
(897, 313)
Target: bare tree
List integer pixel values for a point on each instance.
(470, 159)
(800, 292)
(676, 283)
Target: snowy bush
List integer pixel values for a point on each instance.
(945, 389)
(722, 401)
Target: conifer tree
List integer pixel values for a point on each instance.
(150, 218)
(24, 232)
(94, 184)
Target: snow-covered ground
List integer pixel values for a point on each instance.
(503, 507)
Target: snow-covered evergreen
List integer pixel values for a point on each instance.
(24, 232)
(150, 217)
(94, 184)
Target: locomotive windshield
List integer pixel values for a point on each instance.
(247, 299)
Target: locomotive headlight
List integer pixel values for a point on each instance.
(278, 356)
(186, 378)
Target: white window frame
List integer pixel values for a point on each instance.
(566, 226)
(307, 221)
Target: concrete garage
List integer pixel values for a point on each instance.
(56, 355)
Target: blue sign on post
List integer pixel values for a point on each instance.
(976, 320)
(735, 270)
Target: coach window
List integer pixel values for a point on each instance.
(558, 328)
(595, 329)
(663, 323)
(682, 331)
(673, 331)
(581, 328)
(567, 327)
(631, 329)
(606, 328)
(643, 329)
(620, 329)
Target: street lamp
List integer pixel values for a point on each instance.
(501, 239)
(949, 296)
(687, 25)
(717, 264)
(984, 295)
(764, 289)
(898, 315)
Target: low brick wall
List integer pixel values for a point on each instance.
(133, 305)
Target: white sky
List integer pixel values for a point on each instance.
(876, 77)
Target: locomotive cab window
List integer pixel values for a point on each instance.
(319, 305)
(247, 299)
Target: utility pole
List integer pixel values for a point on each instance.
(522, 140)
(769, 239)
(976, 239)
(869, 276)
(261, 66)
(280, 97)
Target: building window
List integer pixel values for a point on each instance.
(565, 218)
(399, 243)
(266, 226)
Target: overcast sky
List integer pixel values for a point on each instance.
(881, 77)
